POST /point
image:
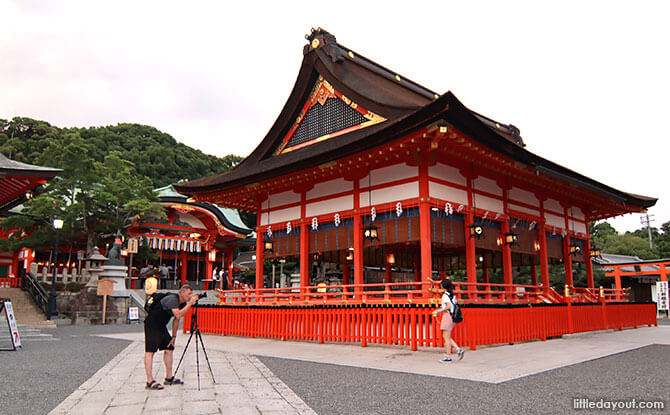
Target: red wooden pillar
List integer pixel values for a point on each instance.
(358, 238)
(506, 258)
(664, 272)
(304, 255)
(387, 272)
(304, 242)
(567, 258)
(229, 262)
(15, 264)
(184, 267)
(424, 228)
(209, 267)
(506, 249)
(470, 247)
(544, 255)
(260, 251)
(587, 258)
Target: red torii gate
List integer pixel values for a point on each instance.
(618, 272)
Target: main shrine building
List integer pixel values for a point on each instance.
(367, 170)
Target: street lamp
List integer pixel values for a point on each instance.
(58, 225)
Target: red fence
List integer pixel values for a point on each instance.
(10, 282)
(414, 325)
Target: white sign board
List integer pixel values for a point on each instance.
(133, 313)
(14, 332)
(662, 295)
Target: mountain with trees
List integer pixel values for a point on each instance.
(154, 154)
(107, 180)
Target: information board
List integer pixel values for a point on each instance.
(133, 313)
(662, 295)
(11, 323)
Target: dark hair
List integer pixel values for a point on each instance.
(448, 285)
(185, 287)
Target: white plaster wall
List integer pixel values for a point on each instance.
(554, 220)
(282, 215)
(330, 188)
(440, 191)
(448, 173)
(330, 206)
(390, 174)
(488, 203)
(553, 205)
(281, 199)
(487, 185)
(524, 209)
(524, 196)
(191, 220)
(391, 194)
(576, 213)
(577, 227)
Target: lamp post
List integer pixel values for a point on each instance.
(58, 224)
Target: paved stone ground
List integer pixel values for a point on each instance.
(330, 378)
(335, 389)
(243, 386)
(48, 368)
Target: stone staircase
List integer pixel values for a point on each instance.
(25, 311)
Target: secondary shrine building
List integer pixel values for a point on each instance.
(393, 185)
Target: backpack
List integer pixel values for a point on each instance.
(457, 315)
(153, 301)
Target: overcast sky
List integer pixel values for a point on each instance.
(586, 81)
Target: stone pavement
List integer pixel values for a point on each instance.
(245, 385)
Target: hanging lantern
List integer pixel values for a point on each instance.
(575, 249)
(476, 231)
(350, 254)
(511, 238)
(390, 258)
(268, 246)
(370, 233)
(595, 252)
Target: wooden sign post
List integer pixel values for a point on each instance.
(105, 288)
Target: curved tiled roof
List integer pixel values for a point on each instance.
(406, 107)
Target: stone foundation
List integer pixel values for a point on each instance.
(85, 307)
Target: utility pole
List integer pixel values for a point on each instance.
(646, 221)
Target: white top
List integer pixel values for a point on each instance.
(447, 302)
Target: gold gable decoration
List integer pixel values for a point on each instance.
(326, 114)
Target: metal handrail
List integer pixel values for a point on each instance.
(37, 292)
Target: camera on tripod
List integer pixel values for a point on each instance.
(202, 295)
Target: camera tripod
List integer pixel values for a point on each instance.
(195, 330)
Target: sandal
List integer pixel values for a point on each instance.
(173, 381)
(154, 385)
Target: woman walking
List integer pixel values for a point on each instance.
(447, 309)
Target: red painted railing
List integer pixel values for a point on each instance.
(413, 325)
(10, 282)
(414, 293)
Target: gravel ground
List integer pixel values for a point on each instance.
(331, 389)
(37, 377)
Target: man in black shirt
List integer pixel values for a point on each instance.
(156, 334)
